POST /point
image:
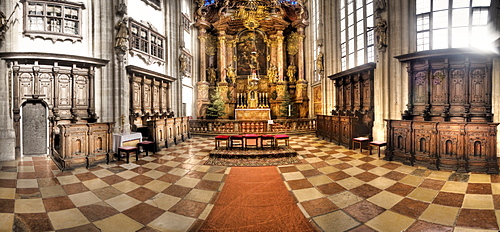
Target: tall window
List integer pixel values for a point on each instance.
(356, 32)
(316, 18)
(49, 17)
(146, 40)
(451, 23)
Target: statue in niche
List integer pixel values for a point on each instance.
(183, 63)
(121, 40)
(272, 73)
(381, 33)
(290, 72)
(212, 74)
(319, 63)
(231, 74)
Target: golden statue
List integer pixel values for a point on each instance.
(272, 73)
(290, 72)
(212, 75)
(231, 74)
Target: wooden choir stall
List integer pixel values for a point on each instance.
(449, 122)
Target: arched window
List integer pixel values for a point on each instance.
(452, 24)
(356, 33)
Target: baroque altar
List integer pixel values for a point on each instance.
(252, 56)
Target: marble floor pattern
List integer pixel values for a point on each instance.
(337, 189)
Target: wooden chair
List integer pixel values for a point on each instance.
(127, 150)
(269, 138)
(360, 141)
(282, 137)
(251, 137)
(234, 138)
(221, 138)
(377, 144)
(146, 146)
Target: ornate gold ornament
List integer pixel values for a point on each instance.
(293, 43)
(251, 12)
(211, 41)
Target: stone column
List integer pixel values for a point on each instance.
(301, 97)
(202, 86)
(7, 132)
(122, 96)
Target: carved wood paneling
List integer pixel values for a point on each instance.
(149, 98)
(450, 88)
(82, 142)
(458, 146)
(340, 129)
(449, 111)
(353, 106)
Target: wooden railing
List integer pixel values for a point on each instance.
(252, 126)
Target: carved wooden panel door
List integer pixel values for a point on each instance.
(34, 129)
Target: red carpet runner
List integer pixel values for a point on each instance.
(255, 199)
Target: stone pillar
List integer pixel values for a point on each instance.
(301, 97)
(7, 132)
(122, 95)
(202, 86)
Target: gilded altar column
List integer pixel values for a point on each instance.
(223, 85)
(281, 85)
(202, 86)
(280, 62)
(301, 97)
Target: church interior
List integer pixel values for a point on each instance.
(249, 115)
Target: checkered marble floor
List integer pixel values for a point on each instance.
(336, 188)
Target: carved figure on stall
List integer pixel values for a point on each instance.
(121, 40)
(212, 74)
(290, 72)
(231, 74)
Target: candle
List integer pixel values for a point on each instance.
(289, 110)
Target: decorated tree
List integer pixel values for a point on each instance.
(217, 107)
(286, 106)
